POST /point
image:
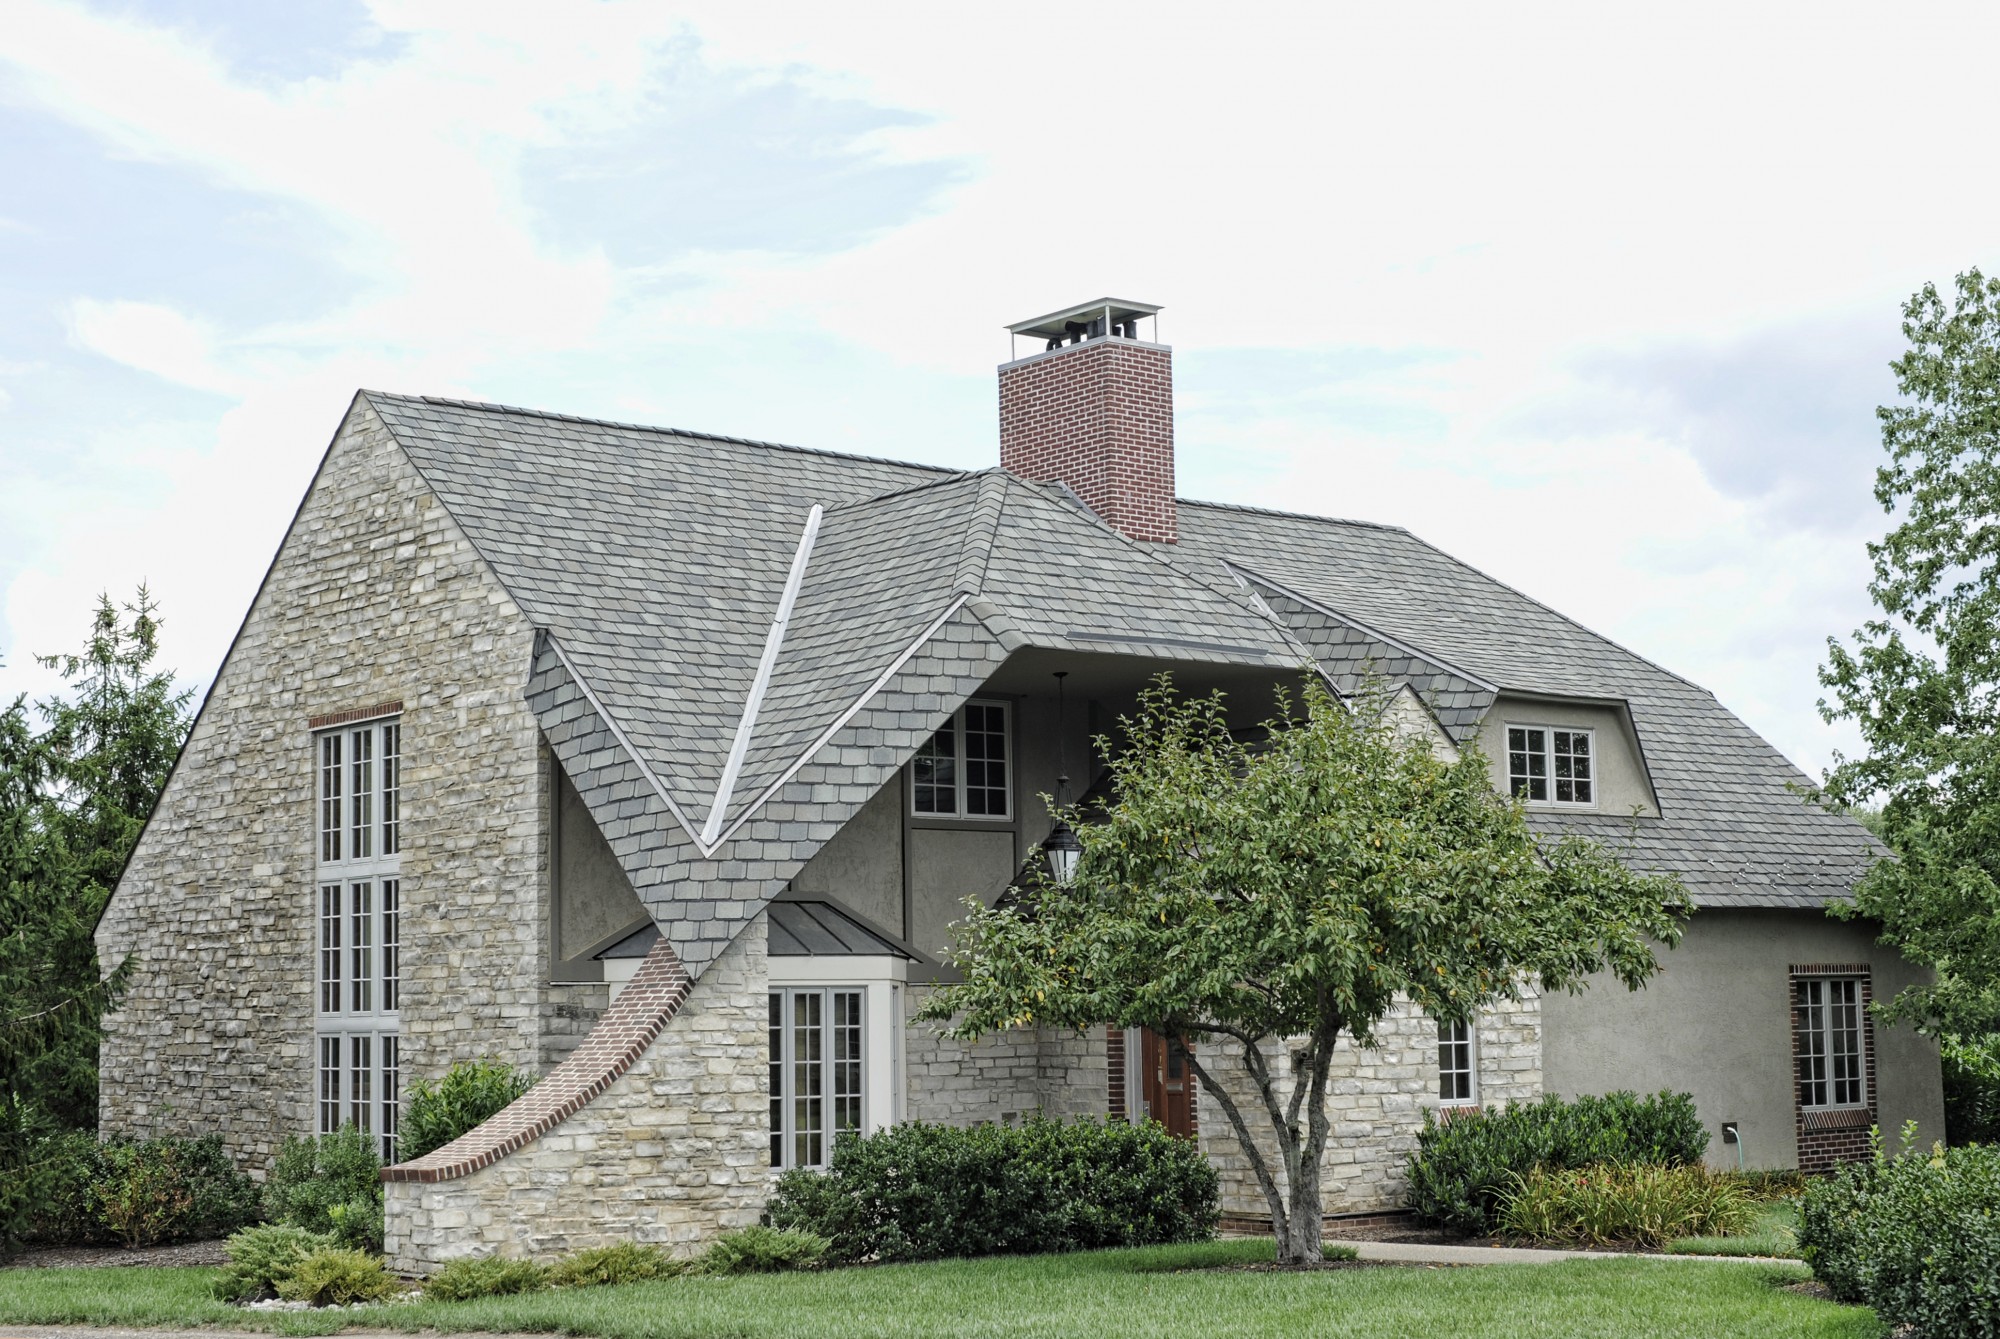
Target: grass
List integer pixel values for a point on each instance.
(1159, 1290)
(1774, 1233)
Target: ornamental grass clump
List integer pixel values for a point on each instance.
(1626, 1202)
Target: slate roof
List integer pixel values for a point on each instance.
(654, 560)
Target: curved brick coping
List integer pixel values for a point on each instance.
(650, 999)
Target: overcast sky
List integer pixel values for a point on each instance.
(1596, 297)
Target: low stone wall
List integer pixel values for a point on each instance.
(671, 1151)
(1377, 1102)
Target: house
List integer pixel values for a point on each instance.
(659, 763)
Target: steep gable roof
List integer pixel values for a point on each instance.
(655, 561)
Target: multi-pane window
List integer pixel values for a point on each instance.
(1455, 1063)
(965, 769)
(816, 1072)
(1551, 766)
(1826, 1026)
(358, 902)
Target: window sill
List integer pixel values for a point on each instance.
(932, 823)
(1836, 1118)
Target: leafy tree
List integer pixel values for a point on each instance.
(73, 798)
(1276, 896)
(1922, 681)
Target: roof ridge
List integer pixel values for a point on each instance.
(520, 412)
(976, 551)
(955, 477)
(1359, 625)
(1291, 515)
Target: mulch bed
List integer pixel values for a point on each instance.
(183, 1254)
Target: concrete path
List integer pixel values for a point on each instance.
(1426, 1253)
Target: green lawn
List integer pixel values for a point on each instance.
(1147, 1293)
(1774, 1233)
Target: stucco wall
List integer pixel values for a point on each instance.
(676, 1150)
(1717, 1023)
(1377, 1100)
(862, 866)
(375, 596)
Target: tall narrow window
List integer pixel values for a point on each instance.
(392, 1088)
(359, 929)
(361, 809)
(1455, 1065)
(392, 945)
(362, 949)
(966, 768)
(329, 1084)
(392, 787)
(329, 798)
(817, 1073)
(1826, 1022)
(329, 948)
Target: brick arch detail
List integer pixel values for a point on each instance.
(621, 1035)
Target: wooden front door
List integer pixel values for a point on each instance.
(1166, 1083)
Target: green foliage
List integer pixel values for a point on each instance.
(623, 1262)
(763, 1250)
(136, 1192)
(1297, 888)
(1771, 1184)
(470, 1093)
(1915, 1236)
(1465, 1167)
(260, 1258)
(330, 1184)
(1625, 1202)
(488, 1276)
(73, 797)
(1972, 1089)
(921, 1192)
(1922, 682)
(337, 1276)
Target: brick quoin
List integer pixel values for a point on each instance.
(1099, 417)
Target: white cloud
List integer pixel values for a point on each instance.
(1519, 195)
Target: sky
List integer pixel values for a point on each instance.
(1599, 298)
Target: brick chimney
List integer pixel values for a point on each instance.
(1094, 409)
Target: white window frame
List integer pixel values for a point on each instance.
(961, 766)
(1438, 1041)
(880, 983)
(1549, 760)
(357, 929)
(1820, 1024)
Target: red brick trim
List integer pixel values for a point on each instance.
(1829, 1136)
(621, 1035)
(354, 714)
(1114, 1073)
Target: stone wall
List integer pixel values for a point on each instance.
(676, 1149)
(1001, 1078)
(1377, 1102)
(375, 596)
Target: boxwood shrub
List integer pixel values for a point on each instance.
(1916, 1236)
(923, 1192)
(1465, 1167)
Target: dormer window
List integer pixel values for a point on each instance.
(1550, 765)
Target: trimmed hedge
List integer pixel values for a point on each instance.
(136, 1192)
(1916, 1236)
(924, 1192)
(1465, 1167)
